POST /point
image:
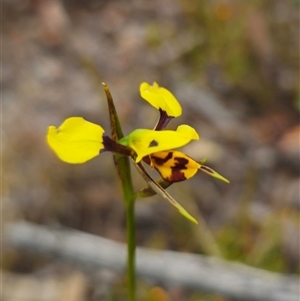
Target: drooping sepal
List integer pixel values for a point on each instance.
(163, 193)
(148, 191)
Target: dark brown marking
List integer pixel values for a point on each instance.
(181, 162)
(206, 168)
(153, 143)
(112, 146)
(162, 161)
(177, 174)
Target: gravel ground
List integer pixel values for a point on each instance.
(235, 69)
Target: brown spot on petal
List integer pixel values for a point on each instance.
(162, 161)
(153, 143)
(177, 174)
(181, 162)
(206, 168)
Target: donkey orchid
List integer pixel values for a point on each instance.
(77, 141)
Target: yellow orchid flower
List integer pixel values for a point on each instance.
(161, 99)
(77, 141)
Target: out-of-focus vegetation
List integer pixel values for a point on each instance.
(239, 58)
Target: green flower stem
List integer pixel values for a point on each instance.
(123, 166)
(130, 225)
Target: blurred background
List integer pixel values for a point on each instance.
(234, 67)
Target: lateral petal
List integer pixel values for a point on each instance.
(76, 140)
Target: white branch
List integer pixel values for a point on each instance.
(188, 270)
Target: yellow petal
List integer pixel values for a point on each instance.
(145, 142)
(76, 140)
(161, 98)
(174, 166)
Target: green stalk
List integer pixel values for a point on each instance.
(124, 171)
(123, 167)
(130, 225)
